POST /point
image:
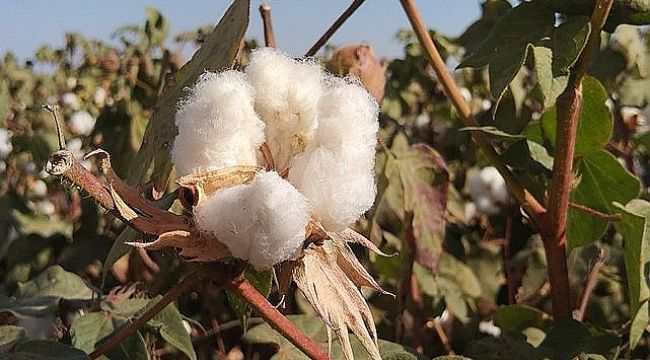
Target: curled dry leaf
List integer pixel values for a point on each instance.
(331, 277)
(360, 61)
(192, 246)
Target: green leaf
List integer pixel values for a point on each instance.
(603, 180)
(554, 56)
(55, 282)
(506, 48)
(9, 334)
(635, 229)
(639, 323)
(88, 330)
(156, 26)
(29, 307)
(314, 328)
(595, 126)
(424, 176)
(636, 12)
(43, 350)
(218, 52)
(528, 155)
(519, 317)
(169, 323)
(508, 346)
(566, 339)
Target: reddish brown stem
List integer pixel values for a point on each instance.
(269, 37)
(569, 105)
(525, 198)
(187, 282)
(335, 26)
(280, 323)
(590, 285)
(595, 213)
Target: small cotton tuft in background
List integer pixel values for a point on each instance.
(262, 222)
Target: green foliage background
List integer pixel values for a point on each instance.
(67, 280)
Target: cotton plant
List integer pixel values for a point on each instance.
(276, 162)
(488, 190)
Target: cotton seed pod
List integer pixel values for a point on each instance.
(359, 60)
(263, 222)
(110, 62)
(287, 94)
(217, 125)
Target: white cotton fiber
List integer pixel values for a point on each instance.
(335, 172)
(338, 193)
(217, 125)
(262, 222)
(287, 94)
(488, 190)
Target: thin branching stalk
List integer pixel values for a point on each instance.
(335, 26)
(185, 284)
(525, 198)
(590, 285)
(269, 36)
(569, 105)
(595, 213)
(277, 321)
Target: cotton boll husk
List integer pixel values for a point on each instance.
(338, 190)
(217, 125)
(287, 94)
(262, 222)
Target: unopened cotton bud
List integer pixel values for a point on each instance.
(287, 94)
(359, 60)
(81, 123)
(262, 222)
(217, 125)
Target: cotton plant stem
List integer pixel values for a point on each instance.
(569, 105)
(335, 26)
(595, 213)
(525, 198)
(269, 36)
(185, 284)
(277, 321)
(590, 285)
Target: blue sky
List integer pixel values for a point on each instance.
(29, 24)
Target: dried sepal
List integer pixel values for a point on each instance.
(193, 246)
(330, 280)
(198, 186)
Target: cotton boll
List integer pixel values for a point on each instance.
(488, 190)
(99, 97)
(38, 188)
(348, 117)
(5, 143)
(287, 94)
(338, 191)
(217, 125)
(70, 100)
(81, 123)
(262, 222)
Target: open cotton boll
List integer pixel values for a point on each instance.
(348, 116)
(217, 125)
(287, 94)
(262, 222)
(338, 191)
(81, 123)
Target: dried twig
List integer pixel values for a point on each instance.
(525, 198)
(335, 26)
(444, 340)
(269, 36)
